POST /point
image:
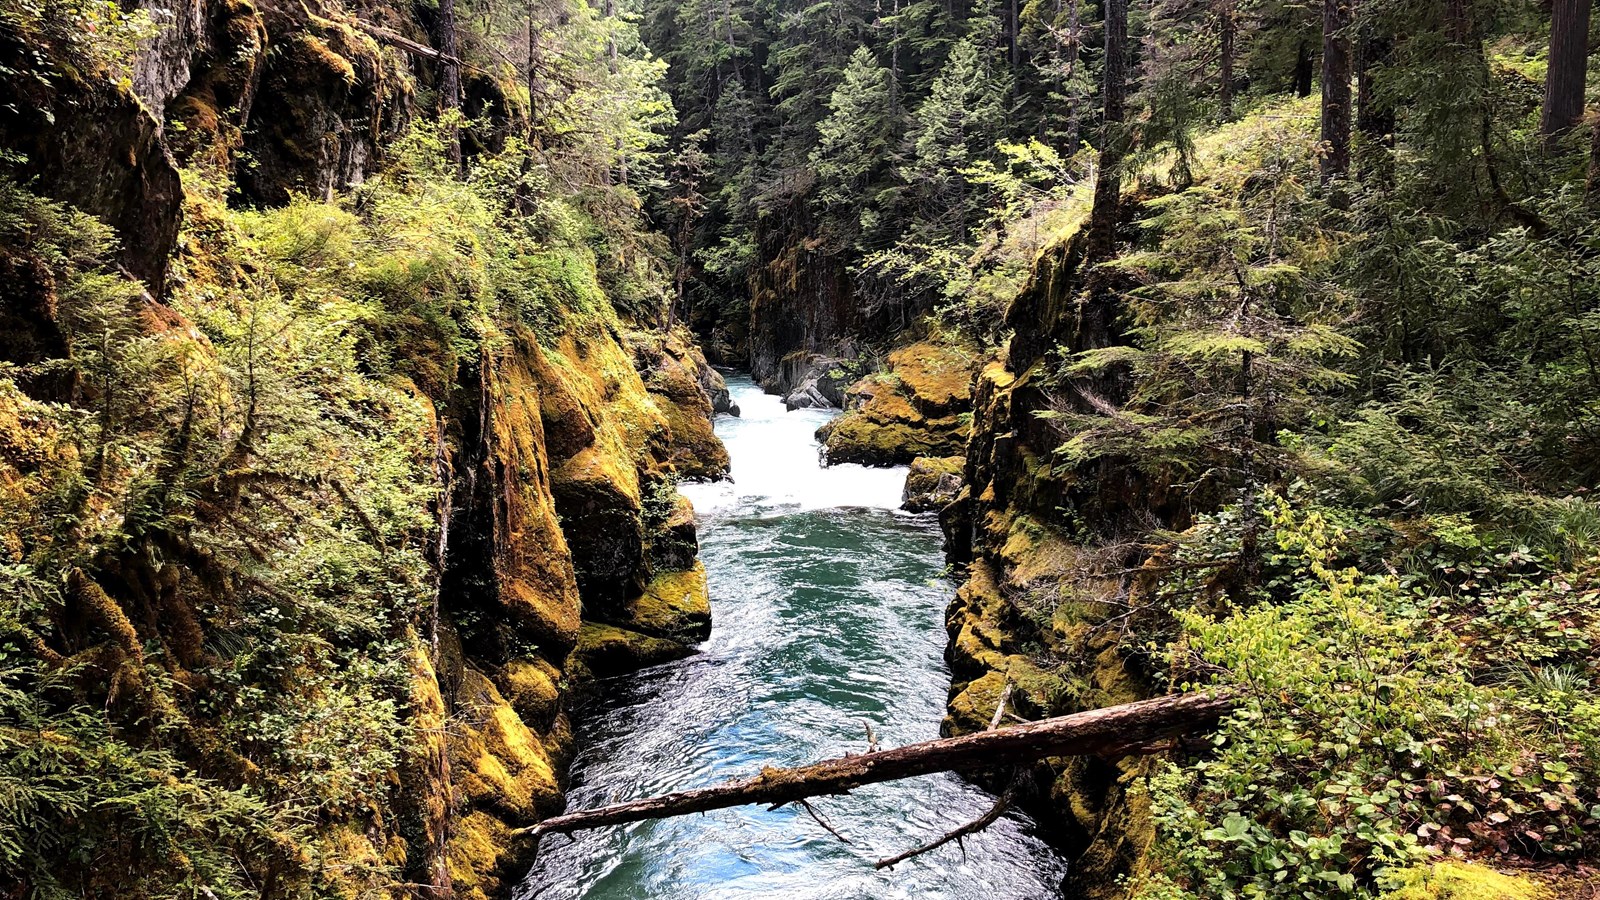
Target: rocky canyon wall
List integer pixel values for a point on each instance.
(536, 472)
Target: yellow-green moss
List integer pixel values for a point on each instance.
(498, 762)
(920, 407)
(532, 687)
(1463, 881)
(937, 377)
(675, 605)
(538, 586)
(932, 482)
(606, 650)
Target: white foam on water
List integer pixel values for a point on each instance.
(777, 463)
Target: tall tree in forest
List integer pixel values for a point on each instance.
(1114, 138)
(450, 74)
(1569, 64)
(1227, 16)
(853, 146)
(1337, 70)
(958, 124)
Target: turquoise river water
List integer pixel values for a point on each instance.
(828, 613)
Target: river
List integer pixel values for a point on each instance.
(828, 613)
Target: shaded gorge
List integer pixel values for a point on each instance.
(828, 606)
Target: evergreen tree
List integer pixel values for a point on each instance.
(853, 147)
(1569, 61)
(958, 124)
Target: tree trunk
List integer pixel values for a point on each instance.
(1070, 56)
(450, 75)
(1106, 208)
(1302, 70)
(1336, 72)
(1113, 731)
(1227, 31)
(1569, 63)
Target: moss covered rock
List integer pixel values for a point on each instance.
(920, 406)
(932, 483)
(609, 650)
(675, 605)
(1464, 881)
(676, 374)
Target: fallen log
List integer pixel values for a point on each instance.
(1114, 730)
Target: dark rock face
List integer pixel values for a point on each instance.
(932, 483)
(92, 144)
(326, 105)
(716, 390)
(800, 299)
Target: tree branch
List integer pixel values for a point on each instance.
(1001, 804)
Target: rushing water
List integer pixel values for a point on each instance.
(828, 614)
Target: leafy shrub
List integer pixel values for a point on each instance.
(1394, 706)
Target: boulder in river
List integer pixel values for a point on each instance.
(920, 406)
(818, 381)
(933, 482)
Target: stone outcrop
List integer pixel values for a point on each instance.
(801, 301)
(1031, 536)
(89, 142)
(932, 483)
(919, 406)
(690, 391)
(813, 381)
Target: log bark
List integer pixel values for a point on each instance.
(1115, 730)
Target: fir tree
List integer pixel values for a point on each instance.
(959, 124)
(853, 147)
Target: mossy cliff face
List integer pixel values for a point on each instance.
(801, 302)
(91, 143)
(919, 406)
(1028, 613)
(484, 521)
(563, 585)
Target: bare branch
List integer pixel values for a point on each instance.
(1001, 804)
(820, 821)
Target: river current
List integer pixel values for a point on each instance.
(827, 608)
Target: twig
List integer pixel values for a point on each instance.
(820, 821)
(999, 808)
(1000, 708)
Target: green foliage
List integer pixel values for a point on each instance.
(70, 787)
(1379, 724)
(852, 149)
(1230, 335)
(88, 37)
(958, 125)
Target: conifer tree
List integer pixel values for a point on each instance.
(958, 124)
(1569, 64)
(1336, 98)
(853, 148)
